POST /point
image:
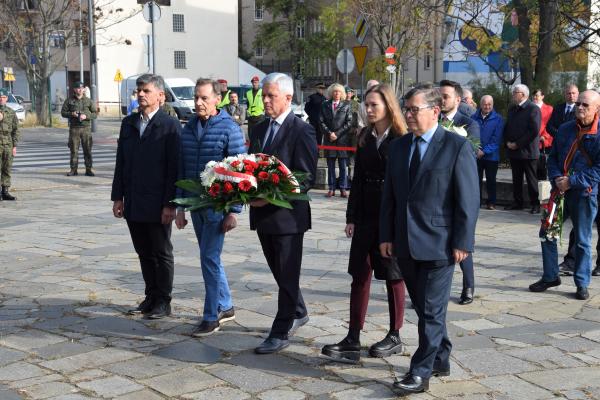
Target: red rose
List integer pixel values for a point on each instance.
(275, 179)
(263, 163)
(214, 190)
(250, 163)
(235, 163)
(263, 176)
(281, 169)
(249, 168)
(227, 187)
(245, 185)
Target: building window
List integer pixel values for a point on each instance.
(300, 30)
(179, 59)
(258, 51)
(178, 23)
(427, 60)
(259, 11)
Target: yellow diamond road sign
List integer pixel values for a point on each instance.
(360, 54)
(118, 77)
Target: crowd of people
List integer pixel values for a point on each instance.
(411, 210)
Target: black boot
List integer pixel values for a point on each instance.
(6, 195)
(391, 344)
(347, 351)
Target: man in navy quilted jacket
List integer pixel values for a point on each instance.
(211, 135)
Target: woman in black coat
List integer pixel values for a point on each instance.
(385, 122)
(336, 125)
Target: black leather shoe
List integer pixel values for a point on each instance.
(160, 310)
(345, 351)
(466, 296)
(596, 271)
(391, 344)
(144, 307)
(272, 345)
(72, 173)
(535, 210)
(541, 286)
(411, 384)
(298, 322)
(582, 293)
(6, 195)
(513, 207)
(566, 268)
(439, 371)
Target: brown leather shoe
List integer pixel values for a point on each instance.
(331, 193)
(343, 194)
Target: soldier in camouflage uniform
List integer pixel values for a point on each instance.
(166, 107)
(9, 135)
(80, 111)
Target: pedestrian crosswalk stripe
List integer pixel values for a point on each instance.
(45, 155)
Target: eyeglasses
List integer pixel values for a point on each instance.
(584, 105)
(414, 110)
(518, 92)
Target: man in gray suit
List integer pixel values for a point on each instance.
(428, 215)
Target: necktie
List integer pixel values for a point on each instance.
(269, 139)
(569, 109)
(415, 161)
(335, 106)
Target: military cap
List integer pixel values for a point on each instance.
(349, 89)
(78, 84)
(3, 92)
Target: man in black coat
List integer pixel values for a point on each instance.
(522, 139)
(313, 109)
(563, 112)
(281, 230)
(142, 190)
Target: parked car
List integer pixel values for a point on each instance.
(298, 110)
(16, 106)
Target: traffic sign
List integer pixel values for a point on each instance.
(118, 76)
(159, 2)
(155, 13)
(8, 74)
(345, 61)
(360, 54)
(361, 28)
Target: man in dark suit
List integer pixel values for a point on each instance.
(142, 190)
(281, 230)
(428, 215)
(451, 100)
(522, 139)
(563, 112)
(313, 109)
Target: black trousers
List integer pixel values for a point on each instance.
(152, 243)
(318, 132)
(429, 290)
(529, 168)
(284, 256)
(468, 272)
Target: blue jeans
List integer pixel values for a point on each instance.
(208, 228)
(582, 211)
(343, 167)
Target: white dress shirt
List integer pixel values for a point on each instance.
(145, 121)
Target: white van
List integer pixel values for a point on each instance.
(178, 91)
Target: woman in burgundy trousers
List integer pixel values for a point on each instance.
(385, 122)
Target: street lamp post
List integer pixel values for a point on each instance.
(93, 63)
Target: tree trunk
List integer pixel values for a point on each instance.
(543, 66)
(525, 50)
(41, 103)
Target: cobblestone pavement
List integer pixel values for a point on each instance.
(69, 272)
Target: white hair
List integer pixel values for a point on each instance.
(486, 96)
(283, 82)
(336, 86)
(371, 83)
(522, 88)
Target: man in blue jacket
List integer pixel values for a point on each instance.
(211, 135)
(574, 169)
(488, 155)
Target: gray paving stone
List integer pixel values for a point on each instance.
(50, 389)
(221, 393)
(547, 356)
(564, 379)
(8, 356)
(63, 349)
(281, 394)
(515, 388)
(181, 382)
(89, 360)
(9, 394)
(492, 362)
(111, 326)
(20, 370)
(248, 380)
(316, 387)
(145, 367)
(191, 351)
(111, 386)
(141, 395)
(368, 392)
(277, 364)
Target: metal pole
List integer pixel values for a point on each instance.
(151, 4)
(93, 64)
(49, 102)
(346, 65)
(81, 78)
(66, 67)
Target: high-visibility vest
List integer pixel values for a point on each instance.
(256, 107)
(224, 100)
